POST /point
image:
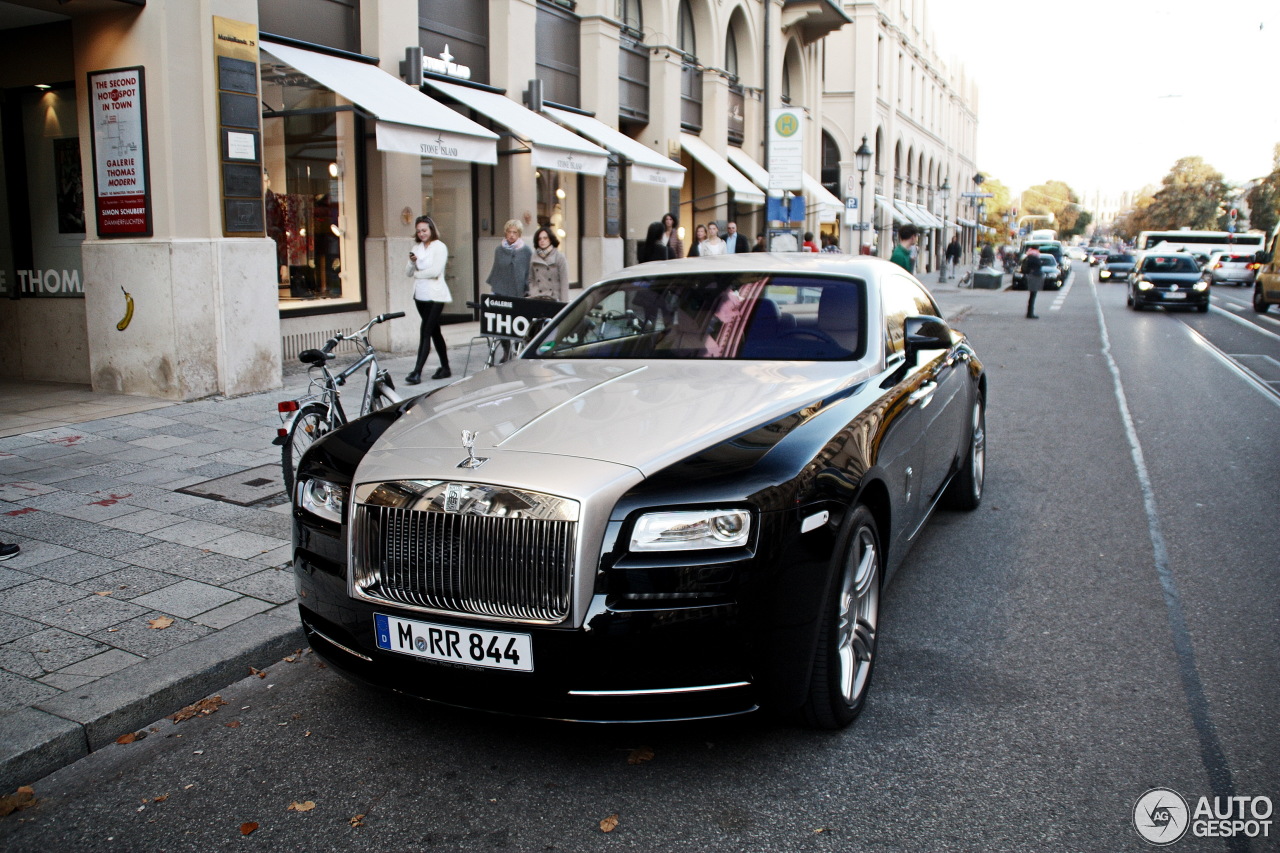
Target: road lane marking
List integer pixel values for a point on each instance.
(1243, 322)
(1062, 294)
(1212, 756)
(1240, 370)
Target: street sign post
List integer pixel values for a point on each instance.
(977, 195)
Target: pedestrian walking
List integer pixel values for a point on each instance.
(808, 245)
(671, 236)
(1034, 275)
(735, 243)
(953, 254)
(713, 245)
(548, 268)
(426, 267)
(699, 236)
(654, 248)
(759, 246)
(510, 270)
(908, 235)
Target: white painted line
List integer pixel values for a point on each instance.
(1244, 322)
(1238, 369)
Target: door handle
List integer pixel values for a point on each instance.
(923, 394)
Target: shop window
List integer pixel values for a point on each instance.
(309, 177)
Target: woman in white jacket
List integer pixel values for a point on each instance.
(430, 294)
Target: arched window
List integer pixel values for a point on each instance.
(690, 73)
(731, 57)
(631, 16)
(830, 164)
(786, 84)
(737, 100)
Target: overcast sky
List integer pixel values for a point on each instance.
(1111, 94)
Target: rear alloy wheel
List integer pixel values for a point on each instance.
(845, 655)
(1260, 304)
(965, 490)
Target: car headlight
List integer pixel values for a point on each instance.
(324, 499)
(1104, 273)
(691, 530)
(1201, 285)
(1143, 284)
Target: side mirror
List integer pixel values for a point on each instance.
(923, 332)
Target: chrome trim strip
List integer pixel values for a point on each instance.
(331, 641)
(660, 691)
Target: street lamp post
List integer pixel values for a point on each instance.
(862, 157)
(944, 193)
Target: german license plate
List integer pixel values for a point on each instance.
(451, 644)
(1175, 296)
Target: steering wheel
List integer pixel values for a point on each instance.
(815, 334)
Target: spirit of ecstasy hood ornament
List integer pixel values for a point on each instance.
(469, 444)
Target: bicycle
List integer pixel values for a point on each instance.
(320, 410)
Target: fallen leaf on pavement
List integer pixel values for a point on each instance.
(640, 755)
(131, 737)
(161, 798)
(234, 724)
(258, 672)
(23, 798)
(160, 623)
(247, 828)
(203, 708)
(609, 824)
(106, 592)
(302, 807)
(358, 820)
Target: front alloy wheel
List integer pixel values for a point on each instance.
(845, 656)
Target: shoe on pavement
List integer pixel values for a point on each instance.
(1033, 316)
(8, 551)
(442, 373)
(413, 379)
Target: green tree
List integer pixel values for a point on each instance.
(1264, 198)
(1191, 196)
(1058, 199)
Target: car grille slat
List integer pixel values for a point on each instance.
(501, 567)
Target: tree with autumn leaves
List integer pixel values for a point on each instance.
(1193, 195)
(1264, 198)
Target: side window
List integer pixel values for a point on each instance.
(924, 302)
(898, 302)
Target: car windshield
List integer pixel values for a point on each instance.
(1048, 261)
(1120, 259)
(1165, 263)
(712, 316)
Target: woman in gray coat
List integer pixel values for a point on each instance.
(510, 263)
(548, 269)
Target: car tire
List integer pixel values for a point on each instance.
(844, 658)
(965, 490)
(1203, 309)
(1260, 304)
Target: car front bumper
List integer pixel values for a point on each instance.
(1176, 299)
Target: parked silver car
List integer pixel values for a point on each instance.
(1228, 268)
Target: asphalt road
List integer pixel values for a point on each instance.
(1106, 623)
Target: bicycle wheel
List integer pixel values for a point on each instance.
(309, 425)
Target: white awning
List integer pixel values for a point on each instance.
(407, 120)
(908, 210)
(967, 223)
(934, 222)
(898, 216)
(647, 165)
(553, 146)
(749, 167)
(743, 189)
(825, 205)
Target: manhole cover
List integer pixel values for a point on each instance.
(247, 488)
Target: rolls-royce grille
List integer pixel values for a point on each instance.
(515, 568)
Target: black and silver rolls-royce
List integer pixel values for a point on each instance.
(683, 500)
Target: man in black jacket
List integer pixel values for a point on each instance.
(735, 243)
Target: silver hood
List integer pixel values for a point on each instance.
(639, 415)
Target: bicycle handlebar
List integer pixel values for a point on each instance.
(382, 318)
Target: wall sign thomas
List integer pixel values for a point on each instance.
(118, 112)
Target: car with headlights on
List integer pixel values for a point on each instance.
(1229, 268)
(1171, 279)
(1097, 254)
(684, 499)
(1116, 267)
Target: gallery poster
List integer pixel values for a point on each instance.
(117, 108)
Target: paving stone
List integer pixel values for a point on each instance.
(138, 637)
(167, 501)
(103, 663)
(145, 420)
(184, 429)
(12, 627)
(165, 557)
(65, 436)
(67, 682)
(216, 569)
(96, 485)
(214, 470)
(232, 612)
(141, 455)
(123, 432)
(89, 614)
(35, 597)
(19, 692)
(149, 476)
(14, 467)
(23, 491)
(10, 443)
(96, 510)
(244, 545)
(129, 583)
(176, 462)
(201, 449)
(108, 542)
(44, 526)
(115, 468)
(75, 567)
(143, 521)
(181, 481)
(282, 556)
(56, 501)
(13, 577)
(35, 552)
(274, 585)
(193, 533)
(63, 455)
(186, 598)
(50, 650)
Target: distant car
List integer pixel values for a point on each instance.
(685, 498)
(1097, 254)
(1053, 276)
(1226, 268)
(1078, 253)
(1171, 279)
(1116, 267)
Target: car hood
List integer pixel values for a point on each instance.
(530, 414)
